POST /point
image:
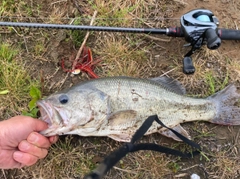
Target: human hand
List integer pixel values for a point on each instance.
(21, 144)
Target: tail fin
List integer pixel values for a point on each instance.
(227, 103)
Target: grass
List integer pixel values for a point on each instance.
(224, 166)
(121, 58)
(36, 95)
(7, 6)
(15, 79)
(77, 36)
(25, 55)
(215, 84)
(113, 13)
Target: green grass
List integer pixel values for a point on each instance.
(14, 77)
(174, 166)
(7, 5)
(36, 95)
(77, 35)
(113, 13)
(215, 84)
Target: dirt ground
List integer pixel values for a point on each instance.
(221, 144)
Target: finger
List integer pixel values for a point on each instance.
(24, 158)
(38, 140)
(39, 125)
(26, 147)
(36, 124)
(53, 139)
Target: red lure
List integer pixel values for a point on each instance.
(85, 63)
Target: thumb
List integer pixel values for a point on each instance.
(38, 125)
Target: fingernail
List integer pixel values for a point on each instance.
(53, 139)
(33, 137)
(17, 155)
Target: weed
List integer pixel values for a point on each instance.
(39, 48)
(35, 94)
(25, 7)
(204, 156)
(214, 83)
(4, 92)
(7, 53)
(211, 82)
(202, 134)
(174, 166)
(7, 6)
(77, 35)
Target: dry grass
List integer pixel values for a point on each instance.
(211, 72)
(226, 162)
(121, 54)
(224, 167)
(121, 57)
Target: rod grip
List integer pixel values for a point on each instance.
(229, 34)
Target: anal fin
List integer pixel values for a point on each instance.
(177, 128)
(120, 137)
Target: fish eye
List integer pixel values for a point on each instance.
(63, 99)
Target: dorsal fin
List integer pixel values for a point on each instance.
(171, 84)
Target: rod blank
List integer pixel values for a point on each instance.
(85, 28)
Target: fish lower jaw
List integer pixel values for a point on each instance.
(46, 119)
(55, 130)
(48, 133)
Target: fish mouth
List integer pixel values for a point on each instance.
(46, 112)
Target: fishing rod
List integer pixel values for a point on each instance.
(199, 27)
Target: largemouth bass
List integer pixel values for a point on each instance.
(117, 106)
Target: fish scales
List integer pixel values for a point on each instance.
(117, 106)
(154, 99)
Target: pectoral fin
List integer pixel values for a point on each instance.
(122, 118)
(119, 122)
(177, 128)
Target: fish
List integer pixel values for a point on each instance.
(117, 106)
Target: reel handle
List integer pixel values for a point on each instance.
(188, 67)
(212, 38)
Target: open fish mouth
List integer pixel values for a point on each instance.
(46, 112)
